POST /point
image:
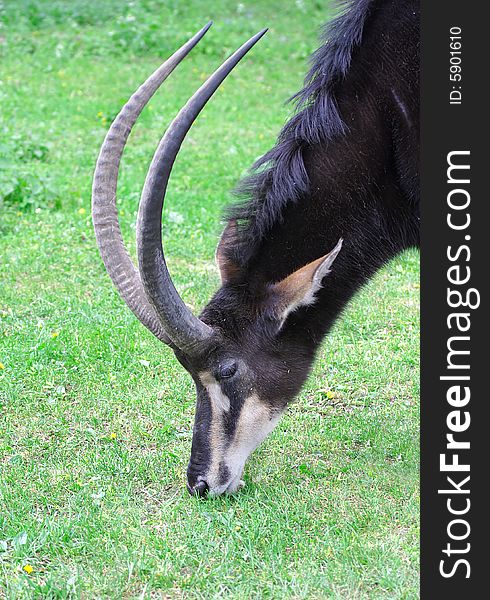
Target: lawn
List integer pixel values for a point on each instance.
(96, 414)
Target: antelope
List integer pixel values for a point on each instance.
(334, 200)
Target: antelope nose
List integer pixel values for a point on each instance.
(200, 489)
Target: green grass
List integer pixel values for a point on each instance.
(96, 415)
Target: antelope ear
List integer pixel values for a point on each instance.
(300, 288)
(228, 269)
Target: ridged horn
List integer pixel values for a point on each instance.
(186, 331)
(119, 265)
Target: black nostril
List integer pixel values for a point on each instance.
(200, 489)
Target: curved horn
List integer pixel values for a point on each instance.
(187, 332)
(116, 259)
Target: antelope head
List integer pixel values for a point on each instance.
(244, 376)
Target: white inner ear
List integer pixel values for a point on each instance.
(309, 297)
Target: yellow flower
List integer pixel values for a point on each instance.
(100, 114)
(81, 211)
(2, 366)
(28, 569)
(113, 436)
(330, 394)
(55, 334)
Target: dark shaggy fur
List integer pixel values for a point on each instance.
(280, 175)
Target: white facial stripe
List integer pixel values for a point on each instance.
(254, 425)
(220, 403)
(213, 388)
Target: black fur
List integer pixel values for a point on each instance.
(358, 182)
(345, 166)
(281, 175)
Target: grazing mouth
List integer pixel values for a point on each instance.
(235, 485)
(229, 488)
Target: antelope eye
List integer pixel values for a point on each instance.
(226, 370)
